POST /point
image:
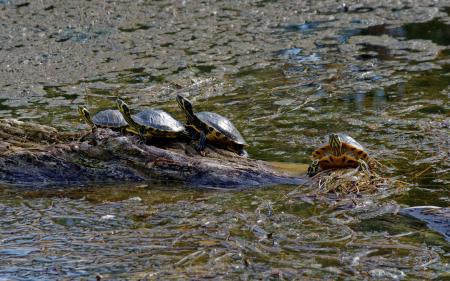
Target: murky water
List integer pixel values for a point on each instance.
(287, 74)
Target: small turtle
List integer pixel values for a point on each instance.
(341, 151)
(213, 128)
(110, 118)
(152, 123)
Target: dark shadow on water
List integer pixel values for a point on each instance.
(435, 30)
(375, 52)
(138, 26)
(383, 29)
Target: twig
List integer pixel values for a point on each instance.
(420, 173)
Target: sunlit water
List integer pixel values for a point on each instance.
(287, 74)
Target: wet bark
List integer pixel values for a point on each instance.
(38, 156)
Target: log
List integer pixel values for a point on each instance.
(38, 156)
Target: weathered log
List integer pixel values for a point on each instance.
(33, 155)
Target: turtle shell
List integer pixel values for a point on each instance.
(352, 147)
(350, 142)
(109, 118)
(159, 120)
(218, 123)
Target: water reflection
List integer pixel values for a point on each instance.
(375, 52)
(377, 100)
(435, 30)
(378, 30)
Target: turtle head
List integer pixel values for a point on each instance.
(335, 144)
(123, 107)
(84, 113)
(126, 113)
(185, 104)
(313, 168)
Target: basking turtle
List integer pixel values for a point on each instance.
(341, 151)
(213, 128)
(152, 123)
(110, 118)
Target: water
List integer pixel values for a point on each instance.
(287, 74)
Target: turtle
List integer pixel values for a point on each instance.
(152, 123)
(109, 118)
(212, 128)
(341, 151)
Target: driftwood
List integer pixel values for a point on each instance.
(36, 156)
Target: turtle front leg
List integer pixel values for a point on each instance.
(142, 136)
(201, 142)
(128, 131)
(313, 168)
(192, 133)
(84, 137)
(124, 131)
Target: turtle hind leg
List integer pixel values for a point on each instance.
(238, 149)
(243, 153)
(363, 165)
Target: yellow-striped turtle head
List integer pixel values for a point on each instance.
(186, 106)
(84, 113)
(335, 144)
(126, 113)
(123, 107)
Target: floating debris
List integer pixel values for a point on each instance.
(356, 181)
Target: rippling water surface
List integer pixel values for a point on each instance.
(287, 74)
